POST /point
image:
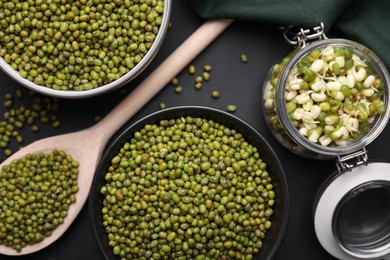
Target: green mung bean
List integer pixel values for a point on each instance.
(191, 69)
(244, 58)
(178, 89)
(174, 81)
(162, 106)
(215, 94)
(199, 79)
(231, 108)
(207, 68)
(198, 85)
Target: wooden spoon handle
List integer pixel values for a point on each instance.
(161, 76)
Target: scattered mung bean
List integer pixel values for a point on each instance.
(175, 81)
(206, 76)
(215, 94)
(162, 106)
(191, 69)
(207, 68)
(199, 79)
(178, 89)
(244, 58)
(231, 108)
(198, 85)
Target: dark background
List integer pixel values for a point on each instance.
(240, 84)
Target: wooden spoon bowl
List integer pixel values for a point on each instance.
(85, 148)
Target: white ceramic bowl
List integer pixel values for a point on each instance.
(126, 78)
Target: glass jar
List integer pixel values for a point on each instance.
(278, 114)
(328, 99)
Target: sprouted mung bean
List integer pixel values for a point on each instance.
(35, 194)
(331, 96)
(77, 46)
(187, 188)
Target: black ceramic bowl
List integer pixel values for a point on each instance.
(279, 219)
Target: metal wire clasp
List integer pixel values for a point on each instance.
(299, 36)
(349, 161)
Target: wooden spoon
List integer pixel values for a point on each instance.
(86, 146)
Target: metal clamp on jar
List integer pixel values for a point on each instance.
(328, 99)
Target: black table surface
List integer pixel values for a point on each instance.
(239, 84)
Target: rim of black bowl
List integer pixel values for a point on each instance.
(279, 219)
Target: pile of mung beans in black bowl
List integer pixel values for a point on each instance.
(189, 183)
(80, 48)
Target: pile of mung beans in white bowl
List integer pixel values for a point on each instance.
(189, 183)
(81, 48)
(327, 99)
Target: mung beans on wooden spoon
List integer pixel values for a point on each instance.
(86, 146)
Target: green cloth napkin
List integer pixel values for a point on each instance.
(367, 22)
